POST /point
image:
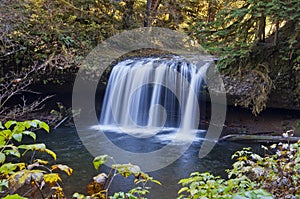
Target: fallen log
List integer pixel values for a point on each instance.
(258, 138)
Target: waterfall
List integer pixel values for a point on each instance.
(154, 92)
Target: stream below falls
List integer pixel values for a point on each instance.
(70, 150)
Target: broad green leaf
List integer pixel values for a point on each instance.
(2, 141)
(31, 134)
(33, 147)
(15, 196)
(33, 123)
(99, 160)
(6, 134)
(8, 124)
(127, 169)
(17, 137)
(44, 126)
(13, 152)
(38, 147)
(2, 157)
(9, 167)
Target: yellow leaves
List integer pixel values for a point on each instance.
(52, 178)
(94, 188)
(51, 153)
(59, 192)
(41, 161)
(167, 17)
(122, 3)
(243, 158)
(64, 168)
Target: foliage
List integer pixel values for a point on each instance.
(100, 186)
(240, 26)
(20, 170)
(274, 175)
(278, 173)
(206, 185)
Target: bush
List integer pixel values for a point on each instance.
(21, 172)
(274, 175)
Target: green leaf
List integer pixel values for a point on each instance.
(33, 123)
(15, 196)
(44, 126)
(183, 190)
(2, 141)
(9, 124)
(2, 157)
(9, 168)
(127, 169)
(33, 147)
(6, 134)
(38, 147)
(31, 134)
(17, 137)
(99, 160)
(3, 183)
(13, 152)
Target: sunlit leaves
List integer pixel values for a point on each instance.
(31, 134)
(34, 174)
(3, 183)
(98, 186)
(80, 196)
(252, 176)
(99, 160)
(15, 196)
(63, 168)
(253, 194)
(127, 169)
(9, 168)
(2, 157)
(52, 178)
(38, 147)
(278, 172)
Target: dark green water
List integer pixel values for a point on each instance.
(68, 146)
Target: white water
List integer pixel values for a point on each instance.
(152, 93)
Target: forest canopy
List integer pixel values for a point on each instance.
(55, 35)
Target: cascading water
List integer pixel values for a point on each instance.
(154, 92)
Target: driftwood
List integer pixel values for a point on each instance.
(258, 138)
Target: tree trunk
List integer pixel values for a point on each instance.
(148, 13)
(211, 10)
